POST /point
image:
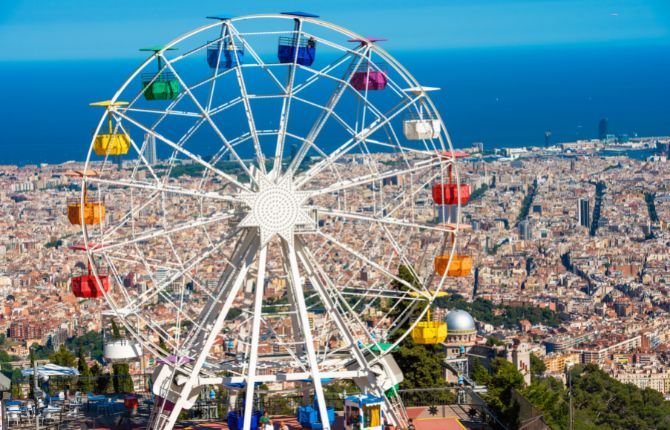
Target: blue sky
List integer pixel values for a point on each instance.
(76, 29)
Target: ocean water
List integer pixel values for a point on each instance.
(502, 97)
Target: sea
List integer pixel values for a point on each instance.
(502, 97)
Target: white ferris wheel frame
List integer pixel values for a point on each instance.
(196, 375)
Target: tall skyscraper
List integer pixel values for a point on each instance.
(149, 152)
(602, 129)
(525, 230)
(547, 138)
(583, 211)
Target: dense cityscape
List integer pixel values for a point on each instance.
(569, 248)
(402, 216)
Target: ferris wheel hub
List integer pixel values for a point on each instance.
(275, 208)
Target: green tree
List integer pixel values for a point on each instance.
(504, 380)
(422, 368)
(85, 381)
(549, 396)
(479, 373)
(16, 379)
(116, 333)
(92, 343)
(31, 379)
(405, 274)
(63, 357)
(122, 381)
(537, 366)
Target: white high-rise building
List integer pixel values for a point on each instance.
(149, 152)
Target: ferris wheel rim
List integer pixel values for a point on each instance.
(379, 51)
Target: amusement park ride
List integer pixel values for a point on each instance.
(301, 176)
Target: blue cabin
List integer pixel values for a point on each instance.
(310, 418)
(364, 412)
(306, 50)
(235, 420)
(230, 55)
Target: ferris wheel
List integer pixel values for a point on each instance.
(271, 199)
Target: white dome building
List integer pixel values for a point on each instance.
(461, 332)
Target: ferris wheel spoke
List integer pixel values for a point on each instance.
(259, 61)
(324, 115)
(147, 296)
(371, 263)
(404, 149)
(403, 197)
(330, 293)
(159, 233)
(185, 152)
(296, 284)
(323, 72)
(260, 157)
(243, 253)
(200, 345)
(209, 120)
(162, 112)
(162, 188)
(286, 102)
(334, 213)
(376, 125)
(373, 177)
(255, 335)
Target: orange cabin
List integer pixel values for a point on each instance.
(461, 265)
(447, 194)
(92, 212)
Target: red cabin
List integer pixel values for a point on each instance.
(87, 286)
(447, 194)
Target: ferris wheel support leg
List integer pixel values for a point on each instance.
(395, 410)
(255, 335)
(296, 284)
(240, 263)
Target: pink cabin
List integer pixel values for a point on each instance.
(368, 78)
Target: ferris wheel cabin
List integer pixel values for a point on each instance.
(91, 211)
(118, 346)
(461, 265)
(363, 412)
(306, 50)
(369, 75)
(111, 143)
(429, 332)
(296, 48)
(310, 418)
(224, 53)
(421, 125)
(86, 286)
(162, 85)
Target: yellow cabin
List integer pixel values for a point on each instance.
(429, 332)
(111, 143)
(461, 265)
